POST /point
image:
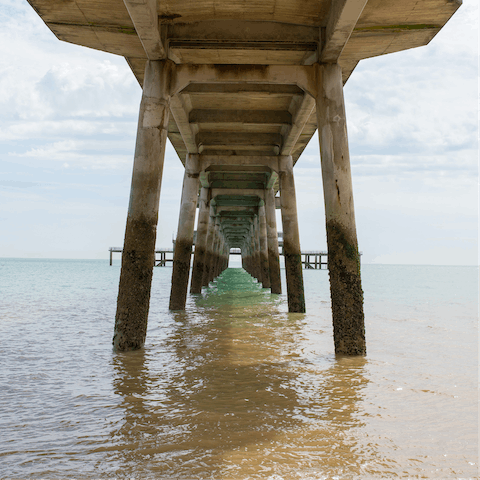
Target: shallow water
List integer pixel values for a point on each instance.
(236, 387)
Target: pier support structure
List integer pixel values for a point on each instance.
(201, 242)
(138, 256)
(272, 240)
(291, 237)
(184, 240)
(343, 256)
(262, 221)
(209, 247)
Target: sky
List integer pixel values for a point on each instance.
(68, 117)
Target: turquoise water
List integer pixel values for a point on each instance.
(236, 387)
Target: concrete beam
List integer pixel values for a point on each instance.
(302, 115)
(270, 161)
(342, 18)
(246, 89)
(144, 16)
(237, 210)
(244, 31)
(215, 139)
(180, 114)
(259, 117)
(204, 180)
(301, 75)
(271, 181)
(244, 192)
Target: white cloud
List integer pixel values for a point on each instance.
(68, 123)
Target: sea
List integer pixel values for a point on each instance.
(235, 387)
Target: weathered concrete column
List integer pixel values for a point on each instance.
(209, 246)
(218, 251)
(291, 238)
(246, 254)
(253, 247)
(140, 233)
(201, 243)
(343, 256)
(221, 258)
(272, 240)
(226, 257)
(257, 249)
(215, 250)
(263, 247)
(184, 241)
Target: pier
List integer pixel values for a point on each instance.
(239, 89)
(164, 256)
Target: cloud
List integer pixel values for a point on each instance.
(421, 101)
(68, 119)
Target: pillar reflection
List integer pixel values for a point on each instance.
(229, 393)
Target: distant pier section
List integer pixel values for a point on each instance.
(312, 259)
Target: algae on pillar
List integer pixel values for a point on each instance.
(208, 248)
(184, 241)
(138, 256)
(272, 238)
(291, 238)
(343, 256)
(201, 242)
(263, 246)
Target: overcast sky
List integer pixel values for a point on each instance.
(68, 119)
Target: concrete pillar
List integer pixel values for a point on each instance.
(272, 242)
(221, 258)
(201, 243)
(257, 249)
(343, 256)
(138, 256)
(215, 250)
(246, 254)
(209, 246)
(218, 253)
(251, 251)
(291, 238)
(253, 248)
(184, 241)
(263, 247)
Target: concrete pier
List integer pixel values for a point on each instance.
(343, 256)
(291, 238)
(243, 90)
(141, 229)
(184, 241)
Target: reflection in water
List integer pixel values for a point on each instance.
(237, 388)
(229, 394)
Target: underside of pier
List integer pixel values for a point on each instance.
(239, 89)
